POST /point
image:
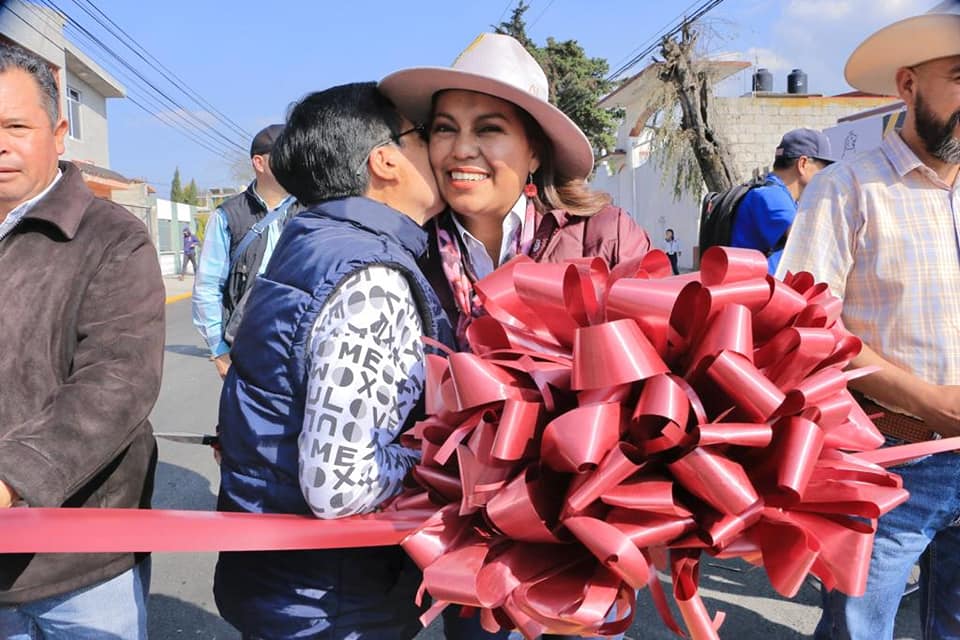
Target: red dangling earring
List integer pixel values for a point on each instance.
(530, 189)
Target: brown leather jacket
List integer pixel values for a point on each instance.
(610, 234)
(81, 338)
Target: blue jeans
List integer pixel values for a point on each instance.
(112, 610)
(926, 525)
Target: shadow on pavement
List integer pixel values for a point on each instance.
(173, 618)
(739, 621)
(180, 488)
(187, 350)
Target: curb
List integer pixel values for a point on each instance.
(178, 297)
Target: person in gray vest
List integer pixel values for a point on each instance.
(240, 236)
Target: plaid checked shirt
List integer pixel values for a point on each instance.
(882, 231)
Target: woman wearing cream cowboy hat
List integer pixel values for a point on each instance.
(513, 169)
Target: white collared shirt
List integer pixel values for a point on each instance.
(23, 208)
(477, 254)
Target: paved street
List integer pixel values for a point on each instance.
(182, 603)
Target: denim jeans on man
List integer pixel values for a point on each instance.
(927, 521)
(112, 610)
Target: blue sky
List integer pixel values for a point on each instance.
(251, 59)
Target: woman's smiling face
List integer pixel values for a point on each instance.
(480, 153)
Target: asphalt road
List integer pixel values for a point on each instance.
(181, 602)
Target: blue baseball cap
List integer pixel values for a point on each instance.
(805, 142)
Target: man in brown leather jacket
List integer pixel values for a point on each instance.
(81, 353)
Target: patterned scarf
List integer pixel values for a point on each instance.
(460, 273)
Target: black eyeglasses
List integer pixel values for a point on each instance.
(419, 129)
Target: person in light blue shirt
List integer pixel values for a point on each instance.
(220, 284)
(765, 213)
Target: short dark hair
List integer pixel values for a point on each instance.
(782, 164)
(16, 58)
(322, 153)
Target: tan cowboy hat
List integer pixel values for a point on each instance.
(497, 65)
(873, 65)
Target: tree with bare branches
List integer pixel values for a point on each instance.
(688, 144)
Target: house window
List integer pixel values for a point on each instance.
(165, 230)
(73, 112)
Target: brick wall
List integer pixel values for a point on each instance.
(752, 126)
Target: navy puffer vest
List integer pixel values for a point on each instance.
(262, 406)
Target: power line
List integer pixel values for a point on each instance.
(175, 117)
(504, 12)
(178, 110)
(211, 144)
(540, 15)
(705, 7)
(24, 21)
(163, 70)
(44, 20)
(656, 34)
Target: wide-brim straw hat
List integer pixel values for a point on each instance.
(873, 65)
(499, 66)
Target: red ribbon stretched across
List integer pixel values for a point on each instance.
(600, 421)
(40, 530)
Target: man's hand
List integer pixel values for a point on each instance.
(939, 407)
(7, 495)
(223, 364)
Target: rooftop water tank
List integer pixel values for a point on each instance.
(797, 81)
(762, 80)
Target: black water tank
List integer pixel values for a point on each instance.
(762, 80)
(796, 82)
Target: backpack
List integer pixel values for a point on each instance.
(717, 211)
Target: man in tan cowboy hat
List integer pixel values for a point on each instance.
(882, 231)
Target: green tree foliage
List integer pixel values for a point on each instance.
(576, 82)
(200, 220)
(190, 194)
(176, 188)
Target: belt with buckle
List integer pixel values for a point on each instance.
(897, 425)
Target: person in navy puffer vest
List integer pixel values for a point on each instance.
(328, 369)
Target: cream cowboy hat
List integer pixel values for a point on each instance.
(497, 65)
(873, 65)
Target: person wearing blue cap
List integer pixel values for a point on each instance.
(764, 216)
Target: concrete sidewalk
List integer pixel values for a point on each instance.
(178, 289)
